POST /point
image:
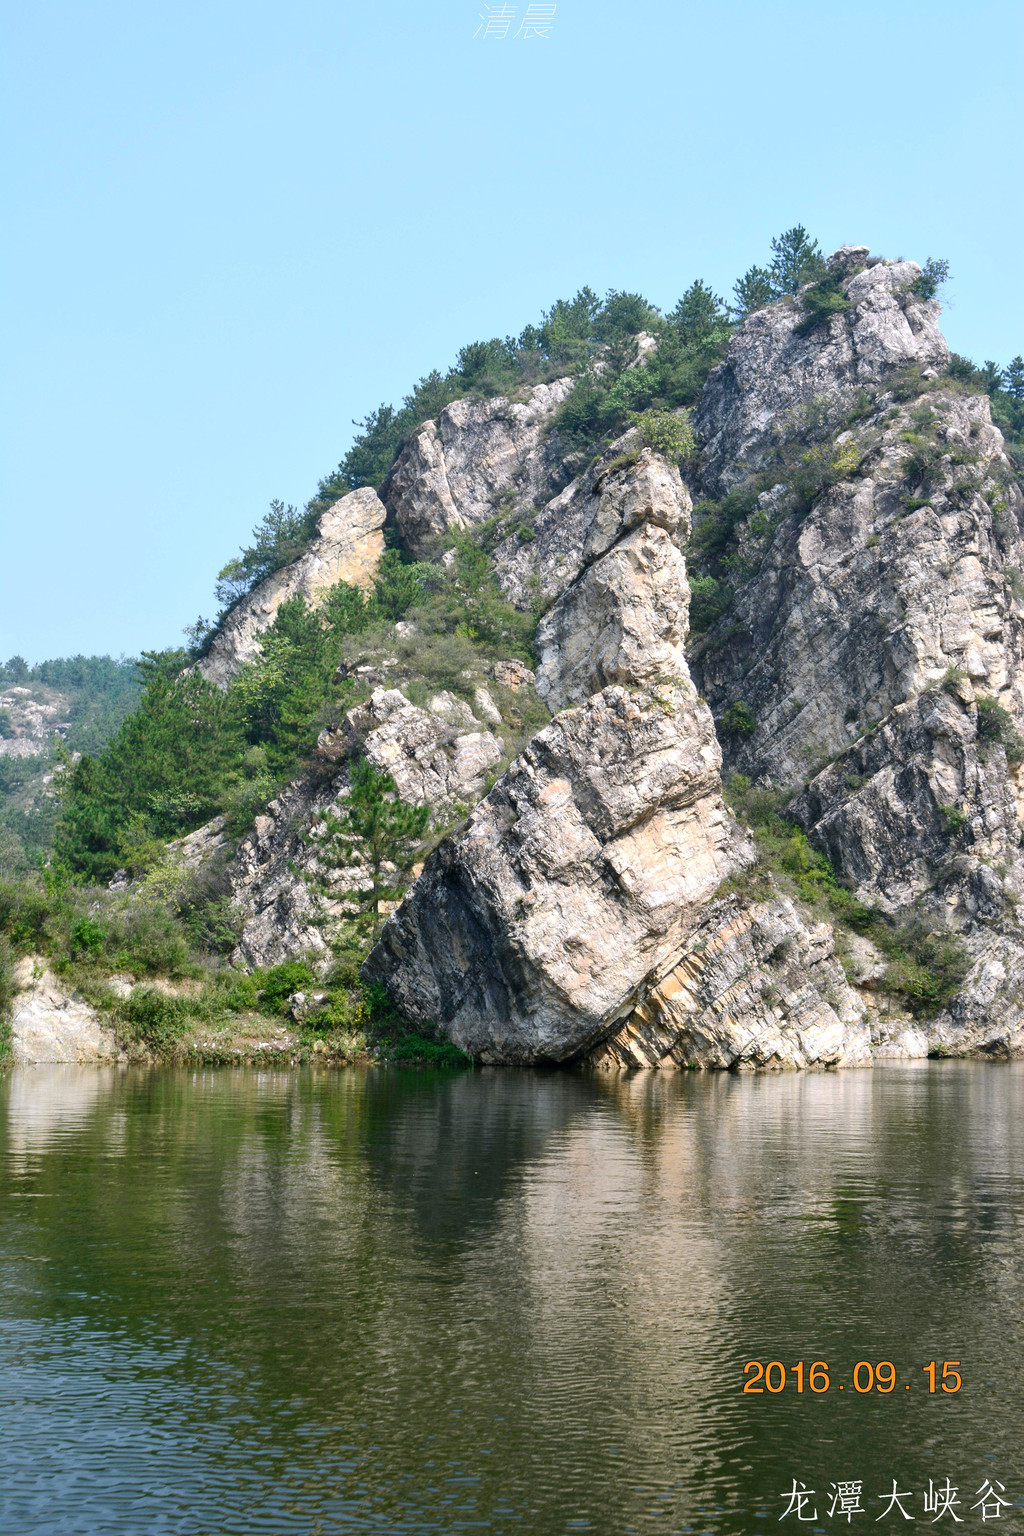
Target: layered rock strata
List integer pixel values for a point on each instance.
(875, 641)
(542, 923)
(755, 988)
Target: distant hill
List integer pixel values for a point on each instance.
(73, 703)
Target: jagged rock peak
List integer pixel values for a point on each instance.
(348, 544)
(777, 361)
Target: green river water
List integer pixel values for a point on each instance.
(518, 1303)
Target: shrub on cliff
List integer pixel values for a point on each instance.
(376, 835)
(995, 726)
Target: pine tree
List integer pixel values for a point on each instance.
(754, 290)
(796, 260)
(992, 376)
(376, 833)
(1013, 382)
(700, 315)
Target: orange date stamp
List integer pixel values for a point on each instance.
(867, 1376)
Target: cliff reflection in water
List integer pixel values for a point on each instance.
(409, 1301)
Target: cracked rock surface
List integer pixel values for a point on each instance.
(348, 544)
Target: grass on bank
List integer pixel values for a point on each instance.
(188, 1003)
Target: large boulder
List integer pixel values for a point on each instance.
(537, 927)
(348, 544)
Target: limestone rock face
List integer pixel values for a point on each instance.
(772, 369)
(865, 642)
(537, 927)
(528, 934)
(282, 915)
(51, 1025)
(879, 630)
(624, 620)
(348, 545)
(578, 912)
(453, 472)
(32, 722)
(628, 487)
(754, 988)
(438, 756)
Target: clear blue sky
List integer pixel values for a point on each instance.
(232, 228)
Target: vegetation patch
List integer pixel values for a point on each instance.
(821, 301)
(996, 728)
(927, 964)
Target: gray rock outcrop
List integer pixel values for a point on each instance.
(624, 620)
(347, 547)
(535, 929)
(755, 988)
(437, 756)
(532, 931)
(774, 366)
(627, 487)
(454, 472)
(878, 647)
(875, 640)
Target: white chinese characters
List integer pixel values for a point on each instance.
(496, 21)
(940, 1501)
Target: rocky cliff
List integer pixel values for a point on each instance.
(347, 547)
(878, 644)
(862, 519)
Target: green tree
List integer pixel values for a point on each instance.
(933, 274)
(796, 260)
(1014, 381)
(376, 833)
(700, 316)
(992, 376)
(567, 330)
(754, 290)
(166, 765)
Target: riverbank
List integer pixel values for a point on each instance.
(178, 1023)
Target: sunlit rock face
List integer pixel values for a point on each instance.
(578, 877)
(881, 622)
(51, 1025)
(775, 365)
(592, 906)
(347, 546)
(756, 988)
(575, 880)
(478, 455)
